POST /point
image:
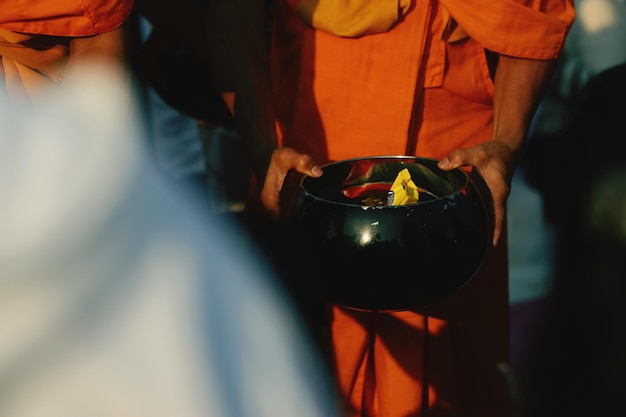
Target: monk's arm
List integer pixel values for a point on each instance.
(519, 86)
(239, 53)
(239, 57)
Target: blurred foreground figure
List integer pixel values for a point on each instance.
(118, 297)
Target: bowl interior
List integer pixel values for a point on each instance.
(367, 181)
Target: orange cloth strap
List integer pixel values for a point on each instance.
(534, 29)
(64, 17)
(352, 18)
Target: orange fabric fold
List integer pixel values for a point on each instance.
(534, 29)
(64, 17)
(452, 32)
(352, 18)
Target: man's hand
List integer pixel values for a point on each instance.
(495, 162)
(284, 160)
(519, 85)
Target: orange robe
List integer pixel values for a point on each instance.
(408, 91)
(35, 34)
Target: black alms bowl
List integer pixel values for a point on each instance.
(376, 256)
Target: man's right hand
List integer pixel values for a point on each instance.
(284, 160)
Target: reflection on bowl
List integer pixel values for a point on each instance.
(379, 256)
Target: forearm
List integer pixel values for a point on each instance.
(519, 86)
(240, 70)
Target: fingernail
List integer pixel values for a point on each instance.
(444, 163)
(316, 171)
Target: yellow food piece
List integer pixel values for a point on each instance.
(404, 189)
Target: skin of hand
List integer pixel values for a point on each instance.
(282, 162)
(519, 85)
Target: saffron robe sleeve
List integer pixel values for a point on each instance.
(535, 30)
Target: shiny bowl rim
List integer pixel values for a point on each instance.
(362, 158)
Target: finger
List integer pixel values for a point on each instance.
(499, 201)
(270, 200)
(306, 165)
(270, 193)
(288, 159)
(497, 231)
(455, 159)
